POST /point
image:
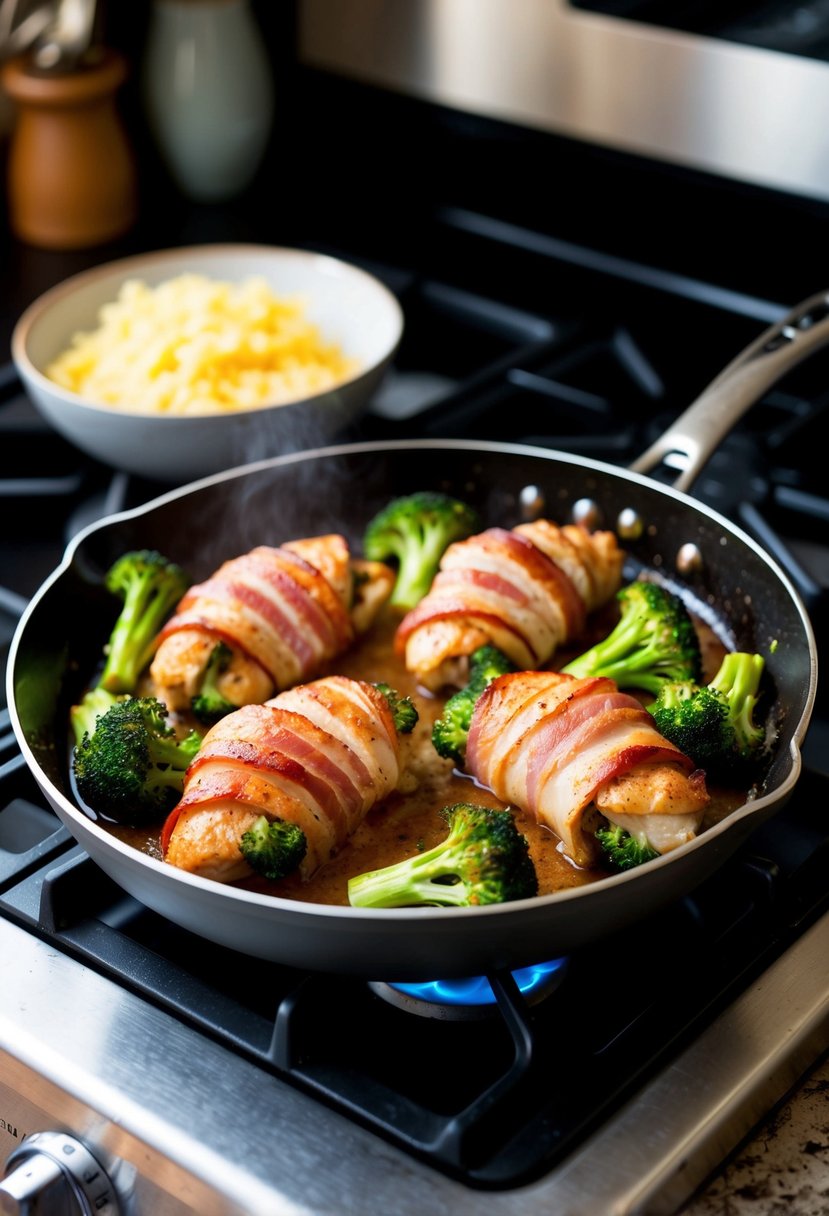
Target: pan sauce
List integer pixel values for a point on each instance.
(408, 822)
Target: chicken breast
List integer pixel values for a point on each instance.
(284, 612)
(661, 800)
(526, 590)
(319, 755)
(565, 749)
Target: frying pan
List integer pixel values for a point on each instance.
(731, 582)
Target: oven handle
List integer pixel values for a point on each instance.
(694, 436)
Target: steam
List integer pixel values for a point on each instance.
(310, 489)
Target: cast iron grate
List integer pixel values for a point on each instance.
(473, 1098)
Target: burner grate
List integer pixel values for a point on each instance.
(472, 1097)
(42, 480)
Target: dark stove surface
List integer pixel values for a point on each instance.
(471, 1096)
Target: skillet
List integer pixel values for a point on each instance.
(728, 580)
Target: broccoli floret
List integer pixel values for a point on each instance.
(714, 723)
(451, 730)
(654, 642)
(209, 704)
(623, 851)
(150, 586)
(84, 716)
(416, 530)
(131, 767)
(273, 847)
(403, 709)
(483, 860)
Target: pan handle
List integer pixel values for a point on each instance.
(695, 434)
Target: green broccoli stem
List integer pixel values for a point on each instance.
(483, 860)
(654, 641)
(149, 586)
(417, 566)
(130, 643)
(84, 716)
(618, 654)
(738, 680)
(415, 530)
(426, 878)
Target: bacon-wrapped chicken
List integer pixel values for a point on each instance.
(279, 614)
(317, 756)
(570, 751)
(526, 591)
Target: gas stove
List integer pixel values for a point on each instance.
(444, 1084)
(158, 1073)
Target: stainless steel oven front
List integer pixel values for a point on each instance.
(743, 94)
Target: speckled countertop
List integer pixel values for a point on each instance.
(783, 1169)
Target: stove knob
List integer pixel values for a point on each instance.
(53, 1174)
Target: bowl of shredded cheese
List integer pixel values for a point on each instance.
(184, 362)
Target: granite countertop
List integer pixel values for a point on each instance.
(783, 1169)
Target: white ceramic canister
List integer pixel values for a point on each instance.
(208, 93)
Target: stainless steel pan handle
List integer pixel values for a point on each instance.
(696, 433)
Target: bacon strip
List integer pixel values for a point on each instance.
(526, 591)
(282, 616)
(553, 745)
(319, 755)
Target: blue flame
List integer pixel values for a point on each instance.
(477, 990)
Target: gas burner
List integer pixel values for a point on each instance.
(472, 997)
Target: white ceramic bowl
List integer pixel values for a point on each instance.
(349, 306)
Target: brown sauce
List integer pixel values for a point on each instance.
(408, 822)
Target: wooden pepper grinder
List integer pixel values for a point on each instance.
(71, 175)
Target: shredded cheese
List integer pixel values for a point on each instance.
(195, 345)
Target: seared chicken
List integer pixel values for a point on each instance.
(564, 749)
(319, 755)
(283, 612)
(526, 591)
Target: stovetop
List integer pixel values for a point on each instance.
(470, 1096)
